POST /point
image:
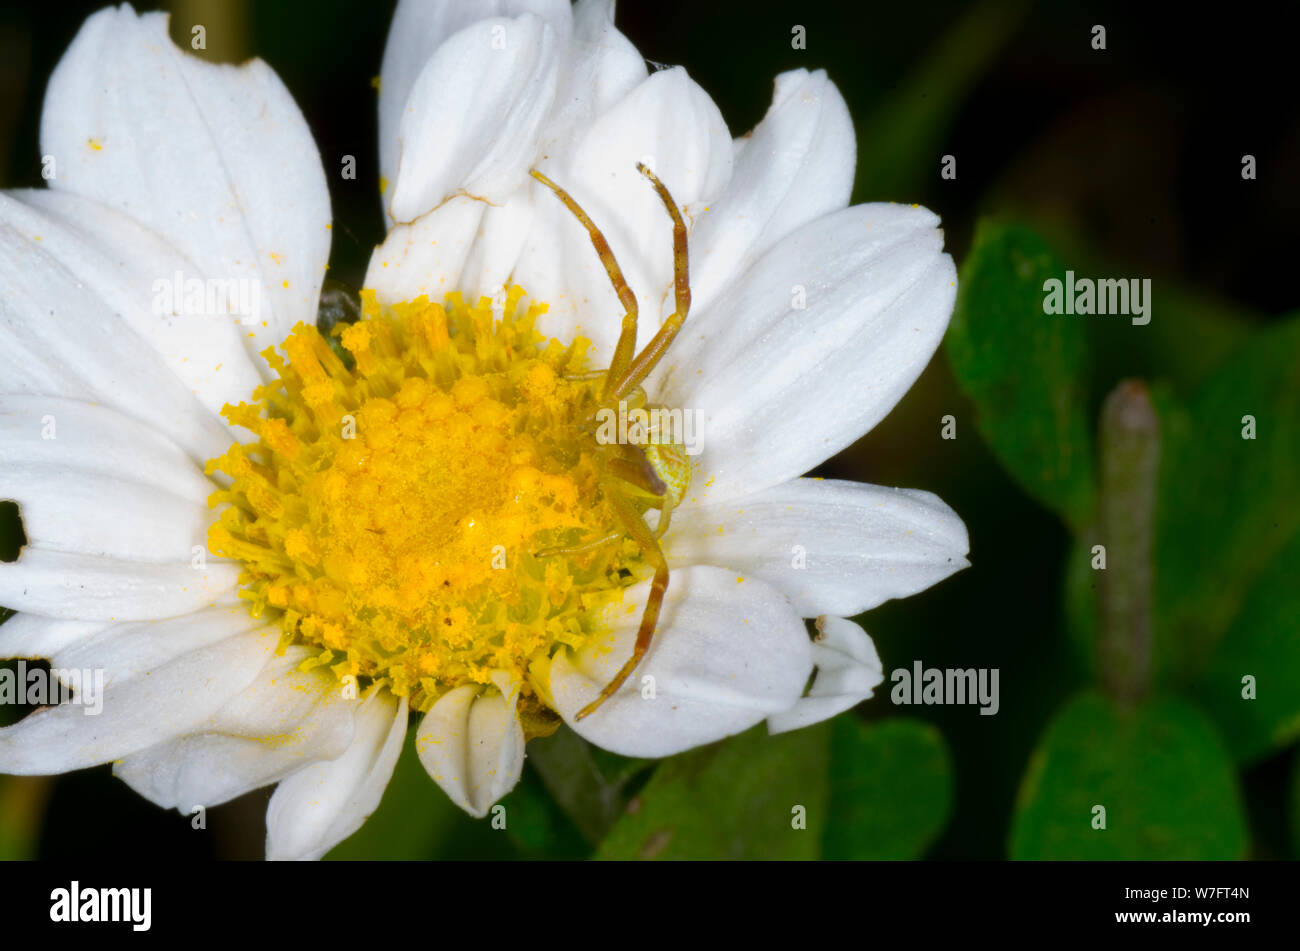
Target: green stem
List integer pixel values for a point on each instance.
(1130, 462)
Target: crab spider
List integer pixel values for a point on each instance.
(637, 478)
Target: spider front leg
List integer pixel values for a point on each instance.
(626, 346)
(645, 538)
(640, 366)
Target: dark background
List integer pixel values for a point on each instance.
(1134, 152)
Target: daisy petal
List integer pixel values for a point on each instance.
(137, 648)
(217, 160)
(95, 442)
(728, 653)
(796, 166)
(667, 122)
(496, 248)
(131, 269)
(834, 547)
(602, 66)
(855, 302)
(73, 585)
(68, 510)
(471, 123)
(142, 710)
(114, 514)
(472, 744)
(58, 336)
(33, 636)
(285, 720)
(427, 256)
(321, 805)
(848, 670)
(418, 28)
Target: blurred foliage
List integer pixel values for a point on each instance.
(891, 789)
(1263, 644)
(1160, 772)
(1025, 373)
(1122, 163)
(1228, 505)
(751, 797)
(591, 785)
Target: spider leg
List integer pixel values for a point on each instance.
(578, 549)
(640, 366)
(626, 345)
(665, 516)
(641, 534)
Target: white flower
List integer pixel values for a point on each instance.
(809, 321)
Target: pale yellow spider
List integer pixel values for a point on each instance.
(637, 478)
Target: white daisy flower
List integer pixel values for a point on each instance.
(278, 547)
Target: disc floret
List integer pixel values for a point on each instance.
(392, 511)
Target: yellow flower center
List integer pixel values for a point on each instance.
(395, 505)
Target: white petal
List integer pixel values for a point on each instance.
(501, 236)
(218, 160)
(285, 720)
(30, 635)
(418, 28)
(140, 710)
(472, 744)
(113, 512)
(601, 67)
(136, 649)
(834, 547)
(796, 166)
(727, 654)
(778, 387)
(318, 807)
(73, 585)
(427, 256)
(667, 122)
(471, 123)
(97, 442)
(58, 337)
(74, 510)
(128, 266)
(848, 670)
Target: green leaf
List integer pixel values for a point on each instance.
(1025, 369)
(739, 799)
(1263, 643)
(891, 789)
(591, 785)
(537, 825)
(1227, 505)
(1159, 770)
(416, 821)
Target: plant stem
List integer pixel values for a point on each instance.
(1130, 461)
